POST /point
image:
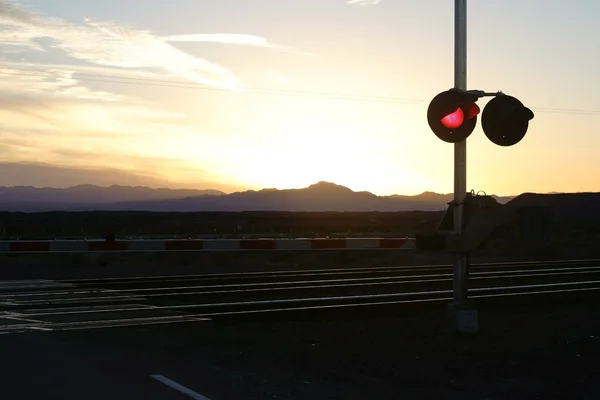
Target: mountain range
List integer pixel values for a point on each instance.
(322, 196)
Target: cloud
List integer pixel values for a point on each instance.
(364, 2)
(53, 82)
(46, 113)
(69, 113)
(225, 38)
(231, 38)
(106, 43)
(109, 44)
(46, 125)
(40, 174)
(60, 167)
(43, 175)
(18, 38)
(81, 72)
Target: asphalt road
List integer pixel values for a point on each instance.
(528, 352)
(530, 347)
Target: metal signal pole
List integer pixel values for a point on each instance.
(460, 148)
(464, 320)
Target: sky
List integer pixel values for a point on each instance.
(251, 94)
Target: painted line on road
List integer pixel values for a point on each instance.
(180, 388)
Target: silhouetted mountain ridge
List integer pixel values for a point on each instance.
(321, 196)
(92, 194)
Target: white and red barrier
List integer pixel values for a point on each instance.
(76, 246)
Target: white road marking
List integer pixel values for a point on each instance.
(179, 388)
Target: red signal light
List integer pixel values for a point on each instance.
(454, 120)
(452, 115)
(472, 110)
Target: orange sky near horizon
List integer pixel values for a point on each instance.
(284, 94)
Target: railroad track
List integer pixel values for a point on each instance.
(43, 305)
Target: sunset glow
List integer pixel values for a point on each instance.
(198, 95)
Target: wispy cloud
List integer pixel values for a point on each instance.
(47, 116)
(109, 44)
(364, 2)
(225, 38)
(88, 154)
(58, 83)
(106, 43)
(81, 71)
(18, 38)
(232, 38)
(68, 113)
(56, 175)
(119, 48)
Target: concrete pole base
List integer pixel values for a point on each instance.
(463, 319)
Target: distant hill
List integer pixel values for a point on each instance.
(92, 194)
(569, 206)
(322, 196)
(45, 175)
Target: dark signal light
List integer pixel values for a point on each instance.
(505, 120)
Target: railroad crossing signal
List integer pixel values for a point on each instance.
(452, 116)
(505, 120)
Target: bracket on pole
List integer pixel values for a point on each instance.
(479, 93)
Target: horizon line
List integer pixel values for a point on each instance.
(267, 188)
